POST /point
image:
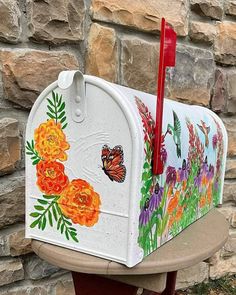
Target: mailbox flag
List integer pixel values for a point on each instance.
(167, 59)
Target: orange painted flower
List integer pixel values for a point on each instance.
(170, 192)
(51, 177)
(80, 202)
(50, 141)
(184, 185)
(179, 213)
(171, 221)
(202, 202)
(204, 180)
(173, 203)
(209, 193)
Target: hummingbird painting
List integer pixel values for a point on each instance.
(176, 132)
(205, 130)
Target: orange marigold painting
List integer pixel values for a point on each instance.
(50, 141)
(51, 178)
(80, 202)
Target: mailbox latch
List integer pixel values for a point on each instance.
(74, 82)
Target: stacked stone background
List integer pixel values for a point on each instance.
(118, 41)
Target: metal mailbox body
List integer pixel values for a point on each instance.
(89, 181)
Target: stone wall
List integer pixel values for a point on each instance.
(118, 41)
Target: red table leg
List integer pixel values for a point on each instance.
(89, 284)
(170, 283)
(86, 284)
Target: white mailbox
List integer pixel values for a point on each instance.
(89, 180)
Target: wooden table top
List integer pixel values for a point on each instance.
(196, 243)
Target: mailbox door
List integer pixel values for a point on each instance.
(79, 174)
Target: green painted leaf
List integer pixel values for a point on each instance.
(67, 235)
(50, 115)
(62, 107)
(49, 196)
(32, 143)
(35, 214)
(62, 228)
(54, 211)
(50, 218)
(72, 229)
(29, 153)
(33, 224)
(59, 223)
(74, 238)
(50, 102)
(44, 223)
(39, 208)
(146, 165)
(60, 100)
(62, 115)
(67, 222)
(43, 202)
(64, 126)
(63, 120)
(54, 97)
(35, 162)
(52, 110)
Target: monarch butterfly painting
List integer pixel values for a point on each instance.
(112, 161)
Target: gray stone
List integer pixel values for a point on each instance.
(211, 8)
(23, 83)
(220, 267)
(230, 7)
(10, 149)
(142, 15)
(12, 199)
(219, 96)
(230, 123)
(231, 91)
(229, 248)
(202, 32)
(225, 43)
(102, 53)
(10, 28)
(60, 21)
(224, 91)
(191, 80)
(230, 172)
(229, 192)
(37, 268)
(11, 270)
(192, 275)
(139, 64)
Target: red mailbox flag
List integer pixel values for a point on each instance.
(167, 59)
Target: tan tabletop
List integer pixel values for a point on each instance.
(196, 243)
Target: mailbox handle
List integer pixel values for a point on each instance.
(166, 59)
(74, 82)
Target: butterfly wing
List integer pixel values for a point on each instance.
(113, 163)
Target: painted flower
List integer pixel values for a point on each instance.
(205, 166)
(156, 197)
(80, 202)
(202, 202)
(210, 173)
(170, 175)
(163, 154)
(171, 221)
(51, 178)
(50, 141)
(173, 203)
(209, 193)
(198, 179)
(145, 214)
(214, 141)
(179, 213)
(183, 172)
